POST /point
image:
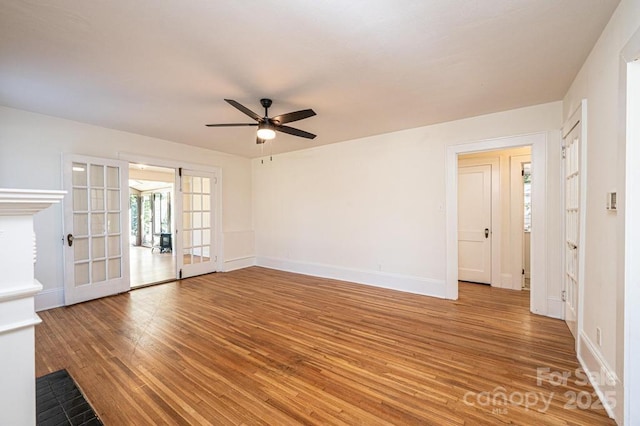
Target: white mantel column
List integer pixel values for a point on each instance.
(17, 290)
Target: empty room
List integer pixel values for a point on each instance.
(284, 212)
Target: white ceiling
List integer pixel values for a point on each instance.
(162, 68)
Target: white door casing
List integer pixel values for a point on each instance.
(474, 224)
(539, 248)
(572, 241)
(517, 219)
(197, 247)
(631, 245)
(95, 237)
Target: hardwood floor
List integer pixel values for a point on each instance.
(258, 346)
(147, 267)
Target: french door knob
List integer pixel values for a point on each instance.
(70, 239)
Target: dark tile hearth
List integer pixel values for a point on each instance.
(59, 402)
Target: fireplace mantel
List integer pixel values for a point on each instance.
(18, 287)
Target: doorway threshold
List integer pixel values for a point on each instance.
(153, 283)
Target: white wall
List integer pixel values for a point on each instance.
(30, 157)
(599, 82)
(372, 210)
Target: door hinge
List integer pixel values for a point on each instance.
(522, 172)
(522, 271)
(180, 274)
(564, 151)
(564, 295)
(215, 180)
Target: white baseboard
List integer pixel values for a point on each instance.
(410, 284)
(555, 308)
(602, 377)
(238, 263)
(49, 299)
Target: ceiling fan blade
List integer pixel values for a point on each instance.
(244, 109)
(294, 132)
(293, 116)
(231, 125)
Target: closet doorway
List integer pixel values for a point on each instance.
(151, 212)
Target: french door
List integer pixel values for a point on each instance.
(197, 248)
(571, 153)
(96, 253)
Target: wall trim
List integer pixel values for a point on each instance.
(19, 325)
(406, 283)
(601, 376)
(49, 299)
(27, 202)
(9, 294)
(238, 263)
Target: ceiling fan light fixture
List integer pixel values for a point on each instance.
(266, 132)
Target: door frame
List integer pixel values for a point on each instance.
(496, 214)
(516, 227)
(217, 196)
(629, 204)
(538, 143)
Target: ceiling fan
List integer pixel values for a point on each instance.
(268, 126)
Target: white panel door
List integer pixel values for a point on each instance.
(474, 224)
(96, 250)
(197, 249)
(572, 225)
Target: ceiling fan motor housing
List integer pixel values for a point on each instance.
(266, 103)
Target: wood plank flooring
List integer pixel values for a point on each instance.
(258, 346)
(147, 266)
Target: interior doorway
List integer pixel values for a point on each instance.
(152, 227)
(494, 217)
(542, 265)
